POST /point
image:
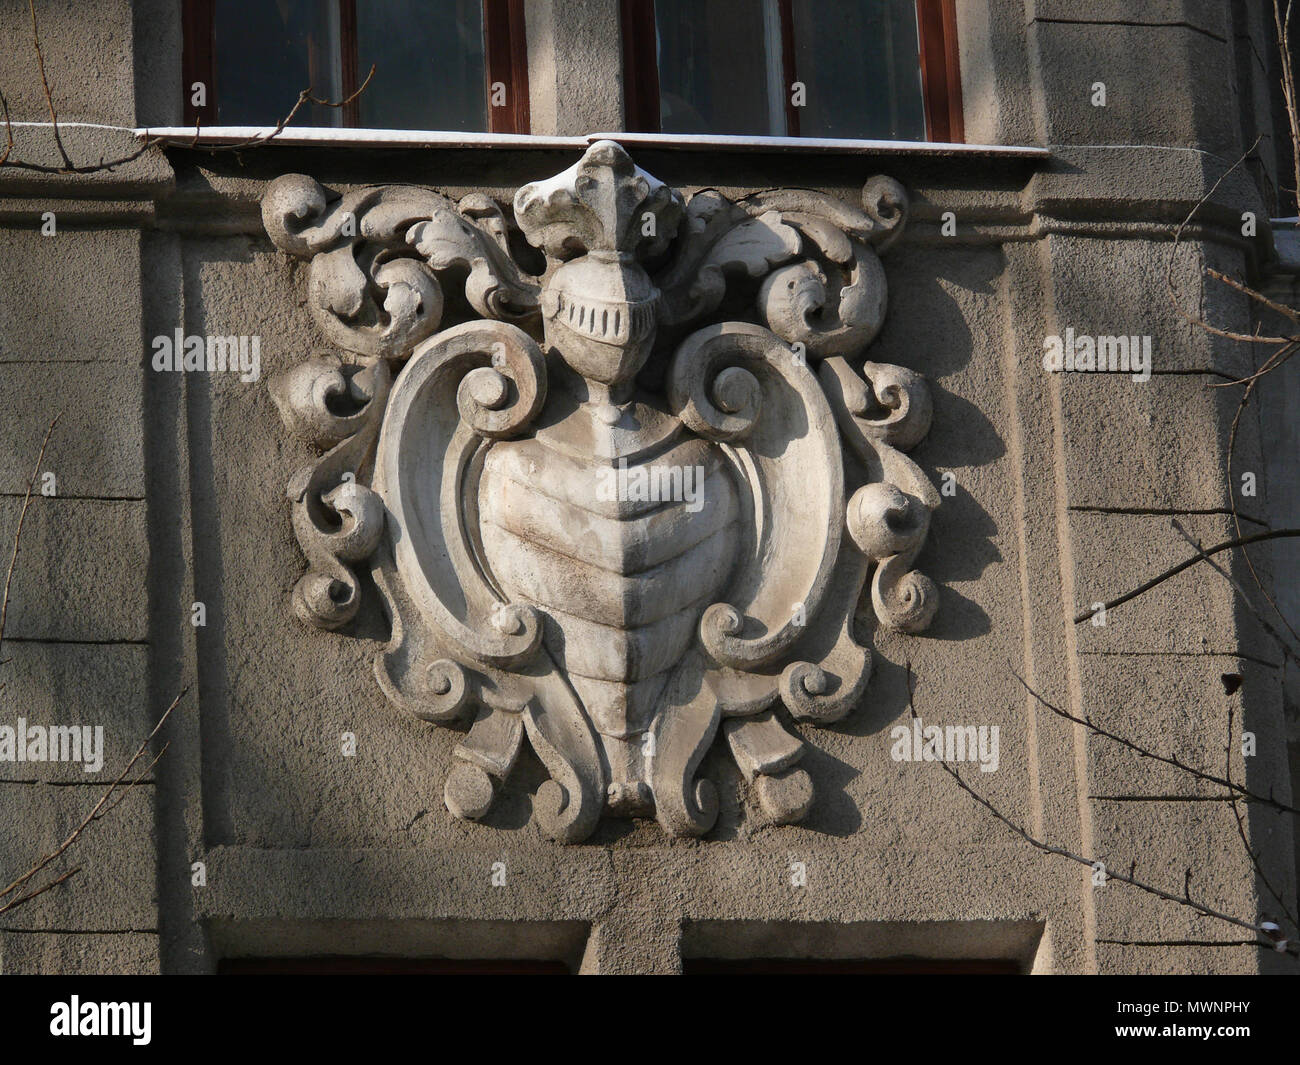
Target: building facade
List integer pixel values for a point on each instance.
(367, 445)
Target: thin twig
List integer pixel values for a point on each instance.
(150, 141)
(22, 517)
(1146, 752)
(1232, 500)
(1240, 822)
(1278, 358)
(95, 810)
(45, 83)
(1236, 587)
(13, 904)
(9, 130)
(1272, 534)
(1282, 24)
(1185, 899)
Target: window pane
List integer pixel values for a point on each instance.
(860, 61)
(428, 57)
(429, 65)
(725, 67)
(266, 53)
(714, 73)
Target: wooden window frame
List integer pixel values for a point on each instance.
(505, 60)
(940, 68)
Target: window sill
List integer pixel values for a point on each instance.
(302, 136)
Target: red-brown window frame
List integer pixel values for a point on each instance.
(506, 61)
(940, 68)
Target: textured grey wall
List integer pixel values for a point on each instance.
(171, 490)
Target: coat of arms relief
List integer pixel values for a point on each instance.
(624, 504)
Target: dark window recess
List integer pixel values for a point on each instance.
(388, 967)
(858, 69)
(811, 967)
(453, 65)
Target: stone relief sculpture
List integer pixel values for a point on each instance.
(606, 512)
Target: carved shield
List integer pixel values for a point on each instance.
(598, 524)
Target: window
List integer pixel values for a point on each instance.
(862, 69)
(455, 65)
(847, 966)
(350, 966)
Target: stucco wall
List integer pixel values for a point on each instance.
(171, 490)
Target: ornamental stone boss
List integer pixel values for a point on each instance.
(467, 468)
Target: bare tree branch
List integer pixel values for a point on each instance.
(97, 811)
(1285, 647)
(1145, 752)
(1240, 822)
(22, 517)
(45, 84)
(149, 141)
(1272, 534)
(1266, 940)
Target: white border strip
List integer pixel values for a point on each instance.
(404, 138)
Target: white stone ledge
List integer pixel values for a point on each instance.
(400, 138)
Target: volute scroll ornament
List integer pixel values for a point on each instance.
(606, 517)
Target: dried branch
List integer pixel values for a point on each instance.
(1202, 554)
(9, 130)
(45, 83)
(149, 141)
(22, 517)
(1282, 25)
(13, 905)
(1232, 495)
(1145, 752)
(1266, 941)
(102, 807)
(107, 802)
(1240, 822)
(1285, 647)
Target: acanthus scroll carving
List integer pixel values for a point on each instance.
(608, 517)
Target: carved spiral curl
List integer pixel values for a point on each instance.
(720, 627)
(498, 401)
(831, 310)
(801, 684)
(328, 595)
(822, 696)
(324, 401)
(718, 400)
(904, 600)
(886, 202)
(689, 811)
(890, 526)
(326, 600)
(884, 521)
(292, 212)
(446, 691)
(904, 408)
(351, 317)
(362, 521)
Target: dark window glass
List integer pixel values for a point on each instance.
(812, 68)
(453, 65)
(713, 75)
(389, 967)
(828, 967)
(267, 52)
(429, 65)
(861, 63)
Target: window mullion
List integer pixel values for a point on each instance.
(790, 68)
(347, 15)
